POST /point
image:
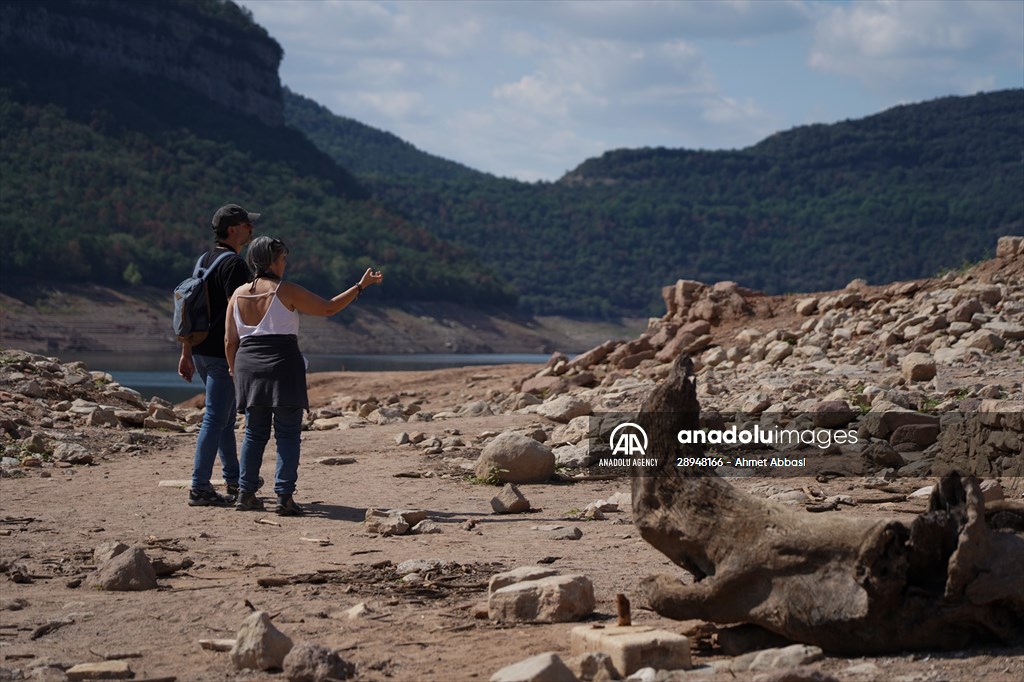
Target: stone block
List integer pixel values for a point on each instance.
(918, 367)
(632, 647)
(519, 575)
(558, 599)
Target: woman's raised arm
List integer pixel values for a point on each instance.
(299, 298)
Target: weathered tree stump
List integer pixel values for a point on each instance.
(849, 585)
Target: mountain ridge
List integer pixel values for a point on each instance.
(117, 170)
(898, 195)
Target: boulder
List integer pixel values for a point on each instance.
(521, 574)
(557, 599)
(921, 435)
(514, 458)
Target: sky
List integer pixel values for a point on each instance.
(531, 89)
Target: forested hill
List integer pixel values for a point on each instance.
(902, 194)
(126, 124)
(365, 150)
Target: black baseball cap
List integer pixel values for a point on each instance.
(232, 214)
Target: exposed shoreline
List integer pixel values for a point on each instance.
(56, 320)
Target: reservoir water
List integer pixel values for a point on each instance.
(157, 374)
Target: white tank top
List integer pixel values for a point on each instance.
(277, 320)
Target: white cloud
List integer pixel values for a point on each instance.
(646, 20)
(911, 47)
(395, 105)
(537, 93)
(532, 89)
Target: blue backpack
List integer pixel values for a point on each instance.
(192, 303)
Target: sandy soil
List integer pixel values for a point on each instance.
(52, 520)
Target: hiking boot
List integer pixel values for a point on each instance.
(286, 506)
(249, 502)
(206, 498)
(232, 490)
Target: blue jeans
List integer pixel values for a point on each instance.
(217, 434)
(287, 433)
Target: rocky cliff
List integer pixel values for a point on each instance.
(210, 46)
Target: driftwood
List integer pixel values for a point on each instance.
(849, 585)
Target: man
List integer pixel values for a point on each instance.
(232, 228)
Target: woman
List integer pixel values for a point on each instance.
(262, 349)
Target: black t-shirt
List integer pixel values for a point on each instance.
(231, 273)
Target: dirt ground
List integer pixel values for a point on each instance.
(52, 520)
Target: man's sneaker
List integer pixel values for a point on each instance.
(286, 506)
(249, 502)
(206, 498)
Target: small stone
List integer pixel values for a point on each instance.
(865, 668)
(926, 491)
(510, 501)
(107, 551)
(593, 667)
(259, 645)
(991, 490)
(418, 566)
(385, 522)
(427, 527)
(540, 668)
(101, 670)
(334, 461)
(315, 663)
(918, 367)
(49, 673)
(130, 571)
(799, 674)
(360, 610)
(564, 409)
(781, 658)
(572, 533)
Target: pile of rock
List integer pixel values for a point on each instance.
(48, 408)
(352, 412)
(926, 372)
